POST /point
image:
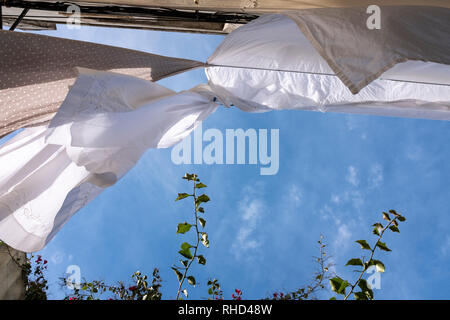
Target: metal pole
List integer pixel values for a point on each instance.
(16, 23)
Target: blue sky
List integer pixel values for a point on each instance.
(337, 174)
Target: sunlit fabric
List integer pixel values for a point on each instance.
(269, 64)
(37, 71)
(49, 173)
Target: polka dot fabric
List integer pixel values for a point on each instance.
(37, 71)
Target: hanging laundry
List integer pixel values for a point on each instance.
(101, 130)
(108, 120)
(269, 64)
(37, 71)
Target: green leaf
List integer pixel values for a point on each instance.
(178, 273)
(386, 216)
(383, 246)
(378, 225)
(185, 292)
(378, 264)
(200, 209)
(338, 285)
(182, 196)
(354, 262)
(333, 298)
(344, 285)
(191, 177)
(202, 222)
(365, 288)
(204, 239)
(200, 185)
(185, 252)
(335, 283)
(201, 259)
(376, 231)
(202, 198)
(183, 227)
(185, 245)
(184, 263)
(187, 176)
(363, 244)
(360, 296)
(394, 229)
(191, 280)
(401, 218)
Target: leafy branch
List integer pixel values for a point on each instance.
(339, 285)
(200, 236)
(214, 290)
(139, 290)
(317, 284)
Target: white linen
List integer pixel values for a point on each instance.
(269, 64)
(37, 71)
(99, 133)
(358, 54)
(108, 120)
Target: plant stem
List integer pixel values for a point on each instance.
(196, 246)
(370, 259)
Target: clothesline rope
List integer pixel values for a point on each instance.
(320, 74)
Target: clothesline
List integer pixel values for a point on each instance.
(317, 73)
(109, 119)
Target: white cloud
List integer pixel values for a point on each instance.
(343, 236)
(57, 257)
(251, 210)
(356, 198)
(352, 176)
(335, 198)
(375, 175)
(294, 195)
(326, 212)
(445, 247)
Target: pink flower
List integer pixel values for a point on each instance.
(132, 288)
